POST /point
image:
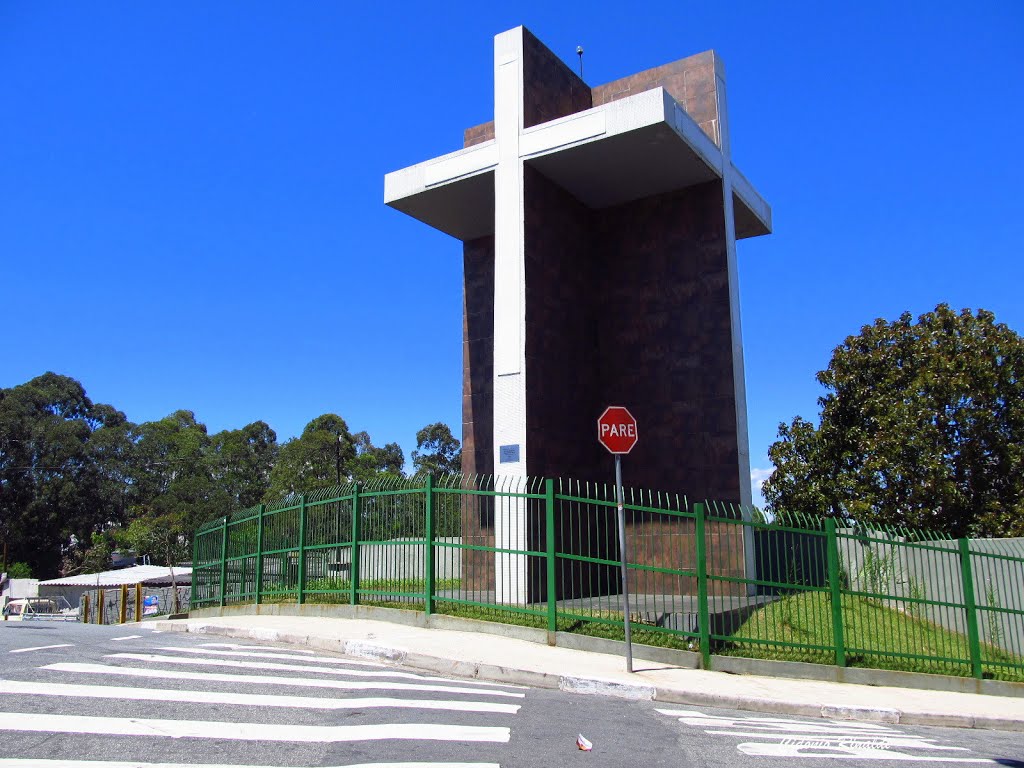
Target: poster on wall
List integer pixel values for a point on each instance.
(150, 605)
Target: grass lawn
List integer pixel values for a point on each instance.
(875, 636)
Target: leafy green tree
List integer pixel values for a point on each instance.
(371, 461)
(53, 492)
(319, 457)
(112, 457)
(437, 450)
(241, 461)
(19, 571)
(922, 425)
(174, 488)
(97, 557)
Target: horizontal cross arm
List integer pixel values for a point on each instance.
(447, 169)
(752, 212)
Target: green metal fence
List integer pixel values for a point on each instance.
(702, 576)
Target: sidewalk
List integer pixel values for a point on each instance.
(504, 659)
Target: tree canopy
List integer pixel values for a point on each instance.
(79, 480)
(61, 468)
(437, 450)
(320, 456)
(922, 425)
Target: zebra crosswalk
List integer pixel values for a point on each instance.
(177, 706)
(785, 737)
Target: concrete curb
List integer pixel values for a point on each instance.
(598, 687)
(595, 686)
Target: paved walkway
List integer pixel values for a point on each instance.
(491, 657)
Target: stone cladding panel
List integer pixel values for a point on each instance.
(690, 81)
(550, 89)
(478, 404)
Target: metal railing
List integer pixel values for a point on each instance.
(709, 577)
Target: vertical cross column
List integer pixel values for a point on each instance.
(510, 524)
(739, 374)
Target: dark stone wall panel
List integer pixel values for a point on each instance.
(665, 341)
(690, 81)
(478, 356)
(550, 89)
(478, 134)
(562, 382)
(478, 406)
(631, 307)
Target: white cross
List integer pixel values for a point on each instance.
(451, 193)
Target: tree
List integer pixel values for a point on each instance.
(319, 457)
(19, 571)
(922, 425)
(437, 450)
(241, 461)
(53, 493)
(371, 461)
(173, 487)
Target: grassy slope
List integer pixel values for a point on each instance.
(874, 636)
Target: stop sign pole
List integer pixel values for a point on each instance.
(617, 431)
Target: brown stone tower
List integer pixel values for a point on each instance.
(599, 230)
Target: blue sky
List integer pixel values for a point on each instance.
(191, 205)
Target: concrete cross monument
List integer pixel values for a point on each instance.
(599, 230)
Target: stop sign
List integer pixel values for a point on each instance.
(616, 429)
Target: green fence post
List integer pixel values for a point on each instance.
(836, 590)
(223, 559)
(970, 607)
(259, 554)
(428, 554)
(703, 618)
(197, 574)
(353, 560)
(550, 562)
(302, 549)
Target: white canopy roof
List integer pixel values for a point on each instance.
(138, 574)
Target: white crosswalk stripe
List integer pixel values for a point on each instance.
(206, 729)
(261, 665)
(823, 739)
(266, 655)
(851, 752)
(120, 693)
(237, 647)
(40, 648)
(307, 682)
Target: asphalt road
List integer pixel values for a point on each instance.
(135, 697)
